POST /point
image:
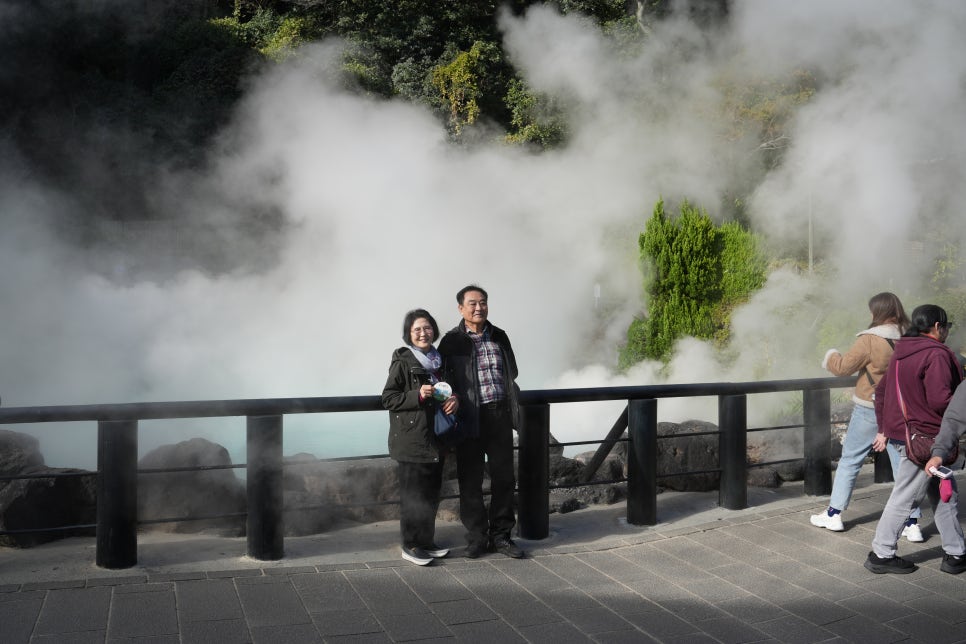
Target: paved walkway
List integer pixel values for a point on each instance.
(703, 575)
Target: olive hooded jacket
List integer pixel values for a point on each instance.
(411, 435)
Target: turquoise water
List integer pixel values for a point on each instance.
(330, 435)
(74, 445)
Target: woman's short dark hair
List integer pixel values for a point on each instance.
(885, 308)
(925, 317)
(411, 317)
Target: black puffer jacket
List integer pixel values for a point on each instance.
(460, 369)
(411, 436)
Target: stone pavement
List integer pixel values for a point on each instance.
(703, 575)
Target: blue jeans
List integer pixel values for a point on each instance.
(858, 441)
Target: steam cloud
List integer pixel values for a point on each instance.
(381, 215)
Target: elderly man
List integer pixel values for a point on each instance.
(482, 370)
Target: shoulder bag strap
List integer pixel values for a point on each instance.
(905, 418)
(902, 404)
(866, 369)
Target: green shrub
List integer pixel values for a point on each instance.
(695, 274)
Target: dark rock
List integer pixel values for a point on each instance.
(772, 446)
(569, 505)
(688, 453)
(19, 453)
(685, 452)
(359, 490)
(764, 477)
(617, 493)
(564, 471)
(794, 471)
(556, 449)
(29, 504)
(191, 495)
(48, 503)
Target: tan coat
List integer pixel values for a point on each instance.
(870, 354)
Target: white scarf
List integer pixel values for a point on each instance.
(431, 362)
(887, 331)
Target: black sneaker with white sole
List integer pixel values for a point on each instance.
(953, 564)
(416, 555)
(894, 565)
(435, 551)
(506, 546)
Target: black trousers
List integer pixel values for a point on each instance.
(419, 485)
(495, 445)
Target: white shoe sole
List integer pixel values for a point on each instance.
(416, 560)
(438, 554)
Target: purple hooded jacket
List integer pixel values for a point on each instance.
(928, 374)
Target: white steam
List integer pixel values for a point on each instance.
(383, 214)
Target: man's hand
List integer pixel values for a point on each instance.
(451, 405)
(935, 461)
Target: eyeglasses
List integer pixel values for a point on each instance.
(946, 325)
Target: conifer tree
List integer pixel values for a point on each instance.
(696, 273)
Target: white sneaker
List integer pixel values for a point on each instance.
(913, 533)
(823, 520)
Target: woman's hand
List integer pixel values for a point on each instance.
(451, 405)
(425, 391)
(879, 443)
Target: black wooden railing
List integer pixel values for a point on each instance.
(117, 447)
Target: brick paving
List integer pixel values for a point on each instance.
(757, 575)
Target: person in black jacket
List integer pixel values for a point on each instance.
(482, 370)
(408, 395)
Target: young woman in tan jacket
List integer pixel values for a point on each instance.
(869, 357)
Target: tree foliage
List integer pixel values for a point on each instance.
(761, 111)
(461, 83)
(535, 118)
(697, 272)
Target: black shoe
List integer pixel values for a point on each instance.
(475, 550)
(895, 565)
(953, 564)
(435, 551)
(507, 547)
(416, 555)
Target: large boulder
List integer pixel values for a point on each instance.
(680, 451)
(319, 494)
(19, 453)
(45, 502)
(185, 495)
(688, 452)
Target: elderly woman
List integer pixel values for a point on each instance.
(408, 395)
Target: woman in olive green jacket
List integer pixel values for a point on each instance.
(408, 395)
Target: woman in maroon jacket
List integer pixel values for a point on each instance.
(925, 373)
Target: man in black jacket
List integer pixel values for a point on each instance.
(482, 369)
